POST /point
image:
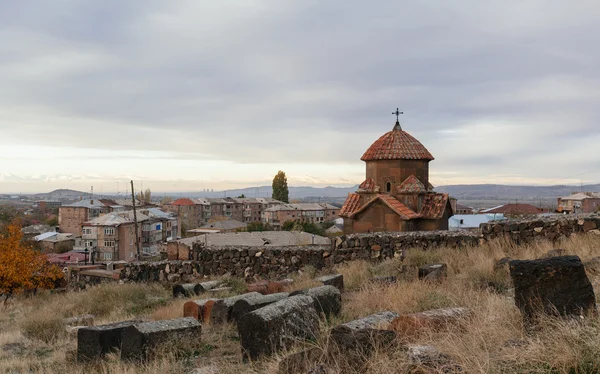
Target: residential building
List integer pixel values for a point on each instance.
(34, 230)
(54, 242)
(579, 202)
(48, 205)
(225, 208)
(277, 215)
(463, 209)
(517, 209)
(228, 225)
(72, 216)
(196, 212)
(170, 223)
(396, 194)
(111, 237)
(192, 213)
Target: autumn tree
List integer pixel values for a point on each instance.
(280, 187)
(21, 267)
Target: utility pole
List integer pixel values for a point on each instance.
(137, 237)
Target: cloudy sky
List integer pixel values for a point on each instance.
(187, 95)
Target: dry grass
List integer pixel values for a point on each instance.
(31, 341)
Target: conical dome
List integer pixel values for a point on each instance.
(397, 145)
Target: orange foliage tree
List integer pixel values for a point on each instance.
(23, 268)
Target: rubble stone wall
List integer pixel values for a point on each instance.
(277, 262)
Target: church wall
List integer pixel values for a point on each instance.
(396, 171)
(435, 224)
(378, 217)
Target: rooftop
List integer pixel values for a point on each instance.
(514, 209)
(230, 224)
(397, 145)
(116, 219)
(264, 238)
(90, 203)
(300, 206)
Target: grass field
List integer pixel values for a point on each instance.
(33, 339)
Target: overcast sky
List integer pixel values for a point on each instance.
(187, 95)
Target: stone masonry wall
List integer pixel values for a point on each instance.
(277, 262)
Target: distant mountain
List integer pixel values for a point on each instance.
(61, 194)
(267, 191)
(505, 192)
(461, 192)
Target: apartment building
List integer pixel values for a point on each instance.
(304, 212)
(579, 202)
(72, 216)
(161, 227)
(192, 213)
(111, 237)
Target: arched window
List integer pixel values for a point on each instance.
(388, 187)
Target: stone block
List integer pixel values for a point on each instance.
(365, 334)
(187, 290)
(96, 341)
(554, 286)
(277, 326)
(436, 319)
(206, 286)
(266, 287)
(427, 356)
(433, 272)
(327, 299)
(335, 280)
(222, 308)
(199, 309)
(140, 339)
(252, 303)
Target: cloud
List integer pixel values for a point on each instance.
(505, 89)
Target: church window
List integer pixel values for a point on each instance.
(388, 187)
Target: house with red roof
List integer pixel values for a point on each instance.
(396, 194)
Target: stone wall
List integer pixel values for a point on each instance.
(548, 228)
(278, 262)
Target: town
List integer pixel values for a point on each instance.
(299, 187)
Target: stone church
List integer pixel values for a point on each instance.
(396, 194)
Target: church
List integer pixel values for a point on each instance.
(396, 194)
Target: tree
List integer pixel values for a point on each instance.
(21, 267)
(144, 196)
(257, 226)
(242, 196)
(280, 187)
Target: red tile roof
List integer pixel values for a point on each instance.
(183, 202)
(434, 205)
(398, 207)
(396, 145)
(351, 205)
(515, 209)
(411, 186)
(368, 185)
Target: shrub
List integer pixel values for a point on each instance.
(43, 326)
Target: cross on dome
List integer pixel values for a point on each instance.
(397, 113)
